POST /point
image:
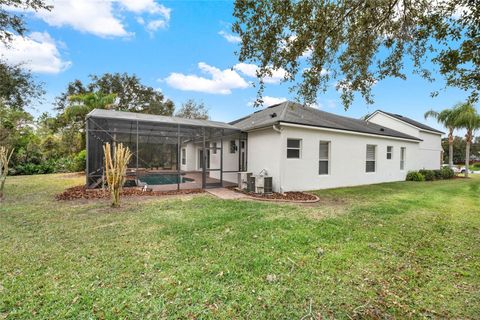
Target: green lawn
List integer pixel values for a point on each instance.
(391, 250)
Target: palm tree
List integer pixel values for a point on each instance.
(446, 118)
(467, 117)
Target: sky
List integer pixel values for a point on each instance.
(185, 49)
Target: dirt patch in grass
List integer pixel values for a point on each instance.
(80, 192)
(275, 196)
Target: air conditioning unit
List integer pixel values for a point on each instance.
(243, 178)
(260, 184)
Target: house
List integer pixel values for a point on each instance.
(301, 148)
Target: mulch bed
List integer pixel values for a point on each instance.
(275, 196)
(80, 192)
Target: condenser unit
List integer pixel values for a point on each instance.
(243, 178)
(260, 184)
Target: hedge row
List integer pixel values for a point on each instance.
(430, 175)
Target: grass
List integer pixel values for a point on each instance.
(390, 250)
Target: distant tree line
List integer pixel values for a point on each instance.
(56, 143)
(459, 148)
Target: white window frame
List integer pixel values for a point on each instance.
(324, 159)
(184, 156)
(299, 148)
(370, 160)
(403, 157)
(390, 152)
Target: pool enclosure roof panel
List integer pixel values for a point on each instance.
(141, 117)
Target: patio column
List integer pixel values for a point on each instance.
(136, 162)
(87, 165)
(221, 159)
(178, 157)
(204, 166)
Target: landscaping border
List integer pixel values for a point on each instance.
(259, 197)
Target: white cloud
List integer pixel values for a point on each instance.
(269, 101)
(104, 18)
(219, 82)
(154, 25)
(37, 52)
(95, 17)
(250, 70)
(230, 37)
(149, 6)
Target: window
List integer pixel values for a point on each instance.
(402, 158)
(324, 158)
(233, 146)
(184, 156)
(389, 152)
(293, 148)
(214, 147)
(371, 156)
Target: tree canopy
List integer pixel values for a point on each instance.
(12, 23)
(131, 94)
(355, 44)
(193, 110)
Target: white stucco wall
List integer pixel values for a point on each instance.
(392, 123)
(264, 153)
(430, 148)
(230, 161)
(191, 163)
(347, 160)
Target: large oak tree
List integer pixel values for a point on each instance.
(355, 43)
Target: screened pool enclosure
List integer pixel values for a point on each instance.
(168, 153)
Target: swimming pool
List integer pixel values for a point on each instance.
(158, 179)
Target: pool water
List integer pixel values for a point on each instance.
(156, 179)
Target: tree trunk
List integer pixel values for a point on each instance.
(450, 154)
(467, 154)
(450, 148)
(116, 198)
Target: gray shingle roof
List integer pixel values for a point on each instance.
(411, 121)
(291, 112)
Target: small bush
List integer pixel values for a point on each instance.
(428, 174)
(476, 165)
(79, 162)
(415, 176)
(438, 174)
(447, 173)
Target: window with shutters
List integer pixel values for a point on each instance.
(324, 158)
(294, 148)
(403, 151)
(371, 158)
(389, 152)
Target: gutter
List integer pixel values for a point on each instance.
(296, 125)
(279, 129)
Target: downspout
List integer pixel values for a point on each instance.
(277, 128)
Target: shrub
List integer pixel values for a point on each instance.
(438, 174)
(428, 174)
(79, 162)
(476, 165)
(447, 173)
(415, 176)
